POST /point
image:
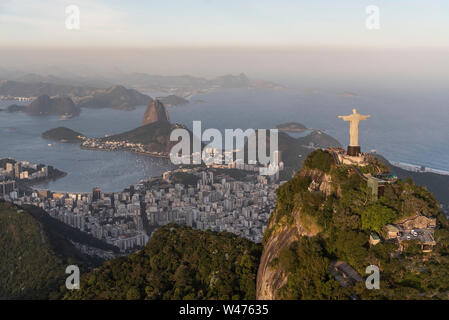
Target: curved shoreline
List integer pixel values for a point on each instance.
(155, 155)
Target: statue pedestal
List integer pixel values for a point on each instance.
(353, 151)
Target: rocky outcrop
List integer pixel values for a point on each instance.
(271, 278)
(281, 234)
(155, 112)
(44, 105)
(320, 181)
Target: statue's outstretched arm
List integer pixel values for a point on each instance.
(345, 118)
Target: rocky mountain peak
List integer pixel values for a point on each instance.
(44, 105)
(155, 112)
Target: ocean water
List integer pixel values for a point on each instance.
(111, 171)
(404, 127)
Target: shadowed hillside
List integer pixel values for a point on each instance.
(178, 263)
(35, 252)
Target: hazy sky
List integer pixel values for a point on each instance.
(313, 41)
(238, 23)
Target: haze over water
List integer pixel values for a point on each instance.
(111, 171)
(404, 127)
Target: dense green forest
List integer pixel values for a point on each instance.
(178, 263)
(35, 251)
(184, 178)
(341, 222)
(438, 184)
(32, 266)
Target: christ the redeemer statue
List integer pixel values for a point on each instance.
(354, 118)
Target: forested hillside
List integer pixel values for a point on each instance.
(325, 214)
(33, 257)
(178, 263)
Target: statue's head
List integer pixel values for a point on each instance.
(354, 111)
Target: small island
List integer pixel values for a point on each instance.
(63, 134)
(347, 94)
(291, 127)
(15, 108)
(45, 105)
(173, 100)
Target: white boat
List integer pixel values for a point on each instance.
(65, 117)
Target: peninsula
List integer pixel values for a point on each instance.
(151, 138)
(173, 100)
(63, 134)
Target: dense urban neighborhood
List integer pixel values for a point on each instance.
(219, 199)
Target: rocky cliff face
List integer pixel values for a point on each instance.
(282, 233)
(44, 105)
(269, 279)
(155, 112)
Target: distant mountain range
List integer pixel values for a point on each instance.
(185, 86)
(33, 85)
(116, 97)
(90, 93)
(29, 89)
